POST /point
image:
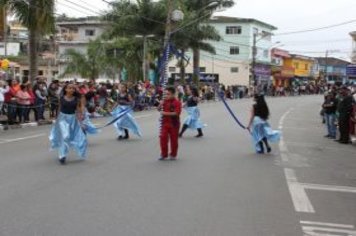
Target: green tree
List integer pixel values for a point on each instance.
(38, 17)
(132, 18)
(90, 65)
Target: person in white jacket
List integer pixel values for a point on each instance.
(4, 88)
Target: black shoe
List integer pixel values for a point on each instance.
(269, 150)
(120, 138)
(327, 136)
(199, 135)
(63, 161)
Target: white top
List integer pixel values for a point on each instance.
(2, 93)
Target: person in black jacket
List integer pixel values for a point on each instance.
(345, 111)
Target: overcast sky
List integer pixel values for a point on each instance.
(285, 15)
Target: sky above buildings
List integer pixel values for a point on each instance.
(287, 16)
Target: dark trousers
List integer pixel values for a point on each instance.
(40, 107)
(169, 134)
(12, 112)
(344, 128)
(24, 113)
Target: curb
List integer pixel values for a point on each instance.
(22, 126)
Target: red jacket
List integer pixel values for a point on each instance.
(172, 105)
(12, 93)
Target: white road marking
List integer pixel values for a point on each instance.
(331, 188)
(299, 196)
(21, 139)
(143, 116)
(327, 224)
(321, 231)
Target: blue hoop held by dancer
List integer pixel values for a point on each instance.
(67, 131)
(127, 122)
(261, 131)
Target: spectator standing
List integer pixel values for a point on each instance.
(10, 100)
(345, 110)
(53, 97)
(330, 107)
(23, 102)
(3, 90)
(40, 102)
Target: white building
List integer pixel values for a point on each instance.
(233, 58)
(76, 34)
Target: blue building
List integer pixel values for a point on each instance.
(333, 69)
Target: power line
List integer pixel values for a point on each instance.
(317, 29)
(84, 7)
(72, 8)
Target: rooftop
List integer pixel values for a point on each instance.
(332, 61)
(227, 19)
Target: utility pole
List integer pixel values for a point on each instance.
(326, 66)
(4, 11)
(144, 66)
(167, 36)
(253, 81)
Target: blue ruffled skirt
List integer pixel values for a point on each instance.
(193, 118)
(67, 133)
(260, 130)
(125, 122)
(88, 126)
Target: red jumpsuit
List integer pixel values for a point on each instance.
(170, 128)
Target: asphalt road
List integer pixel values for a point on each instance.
(217, 187)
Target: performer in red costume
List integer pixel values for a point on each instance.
(170, 110)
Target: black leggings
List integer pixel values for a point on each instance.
(264, 141)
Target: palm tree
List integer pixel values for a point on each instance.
(38, 17)
(90, 65)
(132, 18)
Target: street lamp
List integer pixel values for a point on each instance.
(144, 63)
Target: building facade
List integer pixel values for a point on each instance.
(333, 69)
(76, 34)
(303, 66)
(282, 73)
(231, 65)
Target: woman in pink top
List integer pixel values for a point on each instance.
(24, 102)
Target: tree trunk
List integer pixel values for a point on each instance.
(196, 66)
(33, 37)
(182, 68)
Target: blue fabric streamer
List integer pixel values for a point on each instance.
(230, 111)
(117, 117)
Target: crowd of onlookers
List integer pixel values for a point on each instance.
(339, 113)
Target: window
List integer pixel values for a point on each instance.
(235, 50)
(202, 69)
(233, 30)
(172, 69)
(296, 65)
(234, 70)
(89, 32)
(75, 30)
(306, 67)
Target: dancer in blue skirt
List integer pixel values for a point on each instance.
(193, 119)
(260, 129)
(67, 131)
(127, 122)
